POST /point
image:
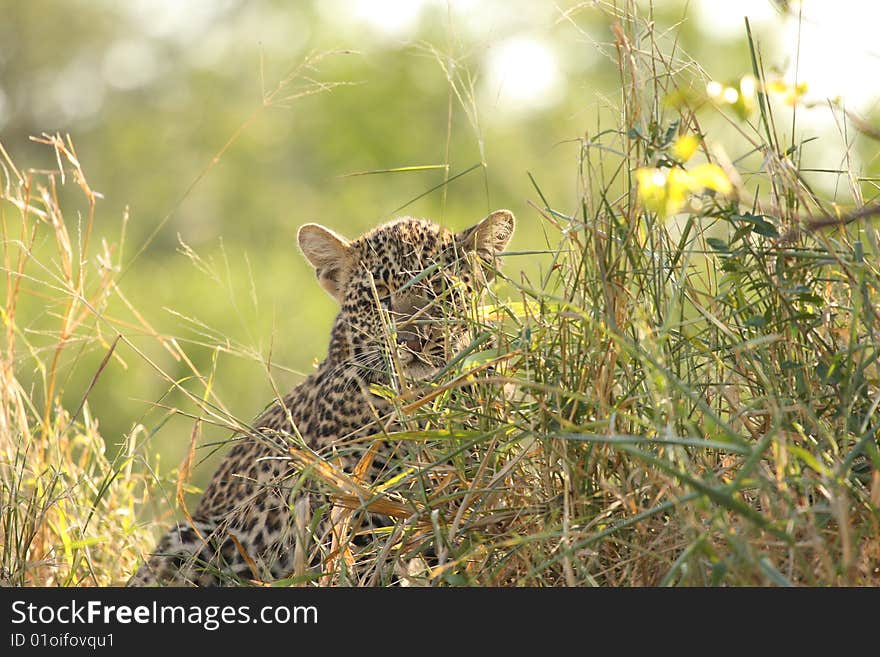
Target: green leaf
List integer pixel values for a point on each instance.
(719, 245)
(772, 574)
(759, 224)
(808, 459)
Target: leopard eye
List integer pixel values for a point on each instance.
(382, 291)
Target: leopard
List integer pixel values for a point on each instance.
(403, 290)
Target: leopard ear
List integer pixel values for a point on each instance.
(489, 237)
(328, 253)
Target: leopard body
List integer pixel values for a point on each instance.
(400, 288)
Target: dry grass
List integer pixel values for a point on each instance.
(68, 513)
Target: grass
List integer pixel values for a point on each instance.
(69, 514)
(684, 400)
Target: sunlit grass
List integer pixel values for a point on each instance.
(69, 513)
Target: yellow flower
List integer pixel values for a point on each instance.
(684, 147)
(653, 190)
(666, 191)
(738, 95)
(790, 94)
(710, 176)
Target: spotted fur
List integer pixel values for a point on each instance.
(403, 290)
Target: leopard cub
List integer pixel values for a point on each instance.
(404, 290)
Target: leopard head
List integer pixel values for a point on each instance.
(405, 290)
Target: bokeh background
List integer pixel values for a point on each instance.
(477, 102)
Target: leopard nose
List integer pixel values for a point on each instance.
(410, 342)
